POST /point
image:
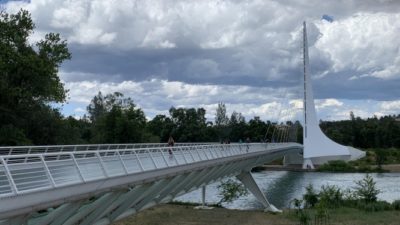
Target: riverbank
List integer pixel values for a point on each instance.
(170, 214)
(392, 168)
(388, 168)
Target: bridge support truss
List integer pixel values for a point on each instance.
(111, 197)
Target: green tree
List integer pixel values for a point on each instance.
(380, 157)
(161, 126)
(256, 129)
(366, 189)
(222, 122)
(238, 126)
(231, 190)
(29, 80)
(116, 119)
(189, 124)
(310, 197)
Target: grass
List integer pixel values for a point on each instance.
(170, 214)
(351, 216)
(339, 166)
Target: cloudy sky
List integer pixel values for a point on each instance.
(246, 54)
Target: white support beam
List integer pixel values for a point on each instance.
(116, 200)
(171, 187)
(160, 194)
(194, 180)
(181, 186)
(20, 220)
(67, 213)
(247, 179)
(203, 195)
(87, 209)
(155, 187)
(51, 216)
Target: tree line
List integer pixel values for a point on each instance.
(29, 87)
(383, 132)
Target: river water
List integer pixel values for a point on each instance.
(281, 187)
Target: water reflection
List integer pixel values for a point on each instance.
(281, 187)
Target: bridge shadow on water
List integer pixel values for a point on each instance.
(279, 187)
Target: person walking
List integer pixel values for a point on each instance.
(171, 144)
(247, 144)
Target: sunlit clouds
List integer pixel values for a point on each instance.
(246, 54)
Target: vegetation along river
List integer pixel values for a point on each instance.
(281, 187)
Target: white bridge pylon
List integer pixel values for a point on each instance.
(318, 148)
(99, 184)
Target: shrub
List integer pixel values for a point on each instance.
(304, 218)
(231, 190)
(331, 195)
(336, 166)
(374, 206)
(310, 197)
(366, 189)
(396, 205)
(297, 203)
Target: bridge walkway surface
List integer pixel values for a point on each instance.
(99, 184)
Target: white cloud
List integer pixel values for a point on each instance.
(390, 107)
(364, 42)
(158, 95)
(330, 102)
(79, 110)
(208, 46)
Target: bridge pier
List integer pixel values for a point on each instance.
(308, 164)
(248, 181)
(203, 199)
(203, 196)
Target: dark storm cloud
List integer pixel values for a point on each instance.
(194, 66)
(203, 47)
(339, 86)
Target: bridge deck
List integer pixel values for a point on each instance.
(32, 172)
(30, 182)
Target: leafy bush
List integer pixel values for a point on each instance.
(364, 197)
(336, 166)
(231, 190)
(331, 195)
(366, 189)
(304, 218)
(297, 203)
(310, 197)
(374, 206)
(396, 205)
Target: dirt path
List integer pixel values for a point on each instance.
(186, 215)
(393, 168)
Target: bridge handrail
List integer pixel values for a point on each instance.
(34, 172)
(20, 150)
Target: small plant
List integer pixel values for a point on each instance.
(380, 157)
(304, 217)
(366, 189)
(336, 166)
(231, 190)
(322, 214)
(297, 203)
(396, 205)
(375, 206)
(310, 197)
(331, 195)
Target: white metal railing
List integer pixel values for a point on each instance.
(20, 150)
(27, 173)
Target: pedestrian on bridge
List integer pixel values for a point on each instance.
(171, 144)
(247, 144)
